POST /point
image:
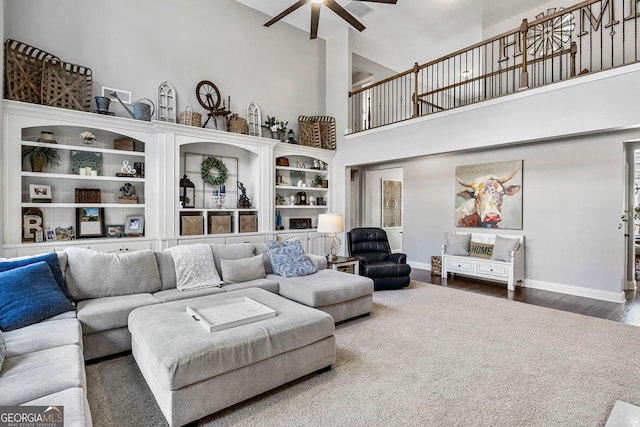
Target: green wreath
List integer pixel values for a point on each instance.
(205, 171)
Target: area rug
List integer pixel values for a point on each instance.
(428, 356)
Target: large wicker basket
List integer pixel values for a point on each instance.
(66, 85)
(23, 71)
(317, 131)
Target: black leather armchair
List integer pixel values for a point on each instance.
(371, 246)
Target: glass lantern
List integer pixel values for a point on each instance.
(188, 193)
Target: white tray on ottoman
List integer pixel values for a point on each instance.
(193, 373)
(230, 313)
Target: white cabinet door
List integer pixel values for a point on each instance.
(260, 238)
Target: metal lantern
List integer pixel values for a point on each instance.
(188, 191)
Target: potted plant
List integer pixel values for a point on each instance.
(317, 181)
(40, 155)
(630, 216)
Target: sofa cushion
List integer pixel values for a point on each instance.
(457, 243)
(30, 294)
(3, 349)
(194, 267)
(34, 375)
(103, 314)
(43, 335)
(326, 287)
(167, 270)
(74, 401)
(242, 270)
(288, 258)
(261, 249)
(268, 284)
(167, 295)
(230, 252)
(503, 247)
(92, 274)
(52, 260)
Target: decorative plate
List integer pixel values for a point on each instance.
(83, 159)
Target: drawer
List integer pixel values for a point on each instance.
(457, 264)
(497, 270)
(260, 238)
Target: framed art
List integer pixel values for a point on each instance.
(50, 235)
(134, 225)
(391, 203)
(63, 232)
(489, 195)
(89, 222)
(40, 193)
(114, 230)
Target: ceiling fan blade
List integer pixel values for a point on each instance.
(315, 19)
(380, 1)
(287, 11)
(342, 13)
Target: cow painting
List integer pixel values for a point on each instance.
(484, 190)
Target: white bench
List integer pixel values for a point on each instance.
(511, 272)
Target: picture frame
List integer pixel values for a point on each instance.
(50, 235)
(40, 193)
(114, 230)
(89, 222)
(134, 225)
(63, 232)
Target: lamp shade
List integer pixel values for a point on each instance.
(330, 223)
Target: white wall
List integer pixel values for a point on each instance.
(137, 45)
(573, 154)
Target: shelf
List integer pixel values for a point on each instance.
(293, 187)
(89, 148)
(218, 210)
(83, 205)
(289, 168)
(301, 207)
(80, 177)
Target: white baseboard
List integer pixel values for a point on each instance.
(617, 297)
(420, 265)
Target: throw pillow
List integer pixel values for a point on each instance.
(288, 258)
(29, 295)
(457, 243)
(481, 250)
(242, 270)
(194, 267)
(503, 248)
(52, 261)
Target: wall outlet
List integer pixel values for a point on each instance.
(125, 96)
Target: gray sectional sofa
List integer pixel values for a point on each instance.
(107, 288)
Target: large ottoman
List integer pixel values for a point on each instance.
(193, 373)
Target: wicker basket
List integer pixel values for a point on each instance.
(66, 85)
(317, 131)
(23, 71)
(190, 118)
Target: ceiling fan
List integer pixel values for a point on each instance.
(315, 13)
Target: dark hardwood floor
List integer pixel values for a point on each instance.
(626, 312)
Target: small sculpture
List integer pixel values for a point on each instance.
(128, 194)
(243, 200)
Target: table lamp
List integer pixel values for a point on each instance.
(331, 224)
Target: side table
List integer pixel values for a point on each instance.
(345, 264)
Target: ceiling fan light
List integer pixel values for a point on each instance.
(317, 1)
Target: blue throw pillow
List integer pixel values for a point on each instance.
(50, 258)
(30, 294)
(288, 259)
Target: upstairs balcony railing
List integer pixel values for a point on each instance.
(591, 36)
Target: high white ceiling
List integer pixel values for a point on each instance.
(412, 30)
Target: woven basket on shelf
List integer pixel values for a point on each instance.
(23, 71)
(66, 85)
(190, 118)
(317, 131)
